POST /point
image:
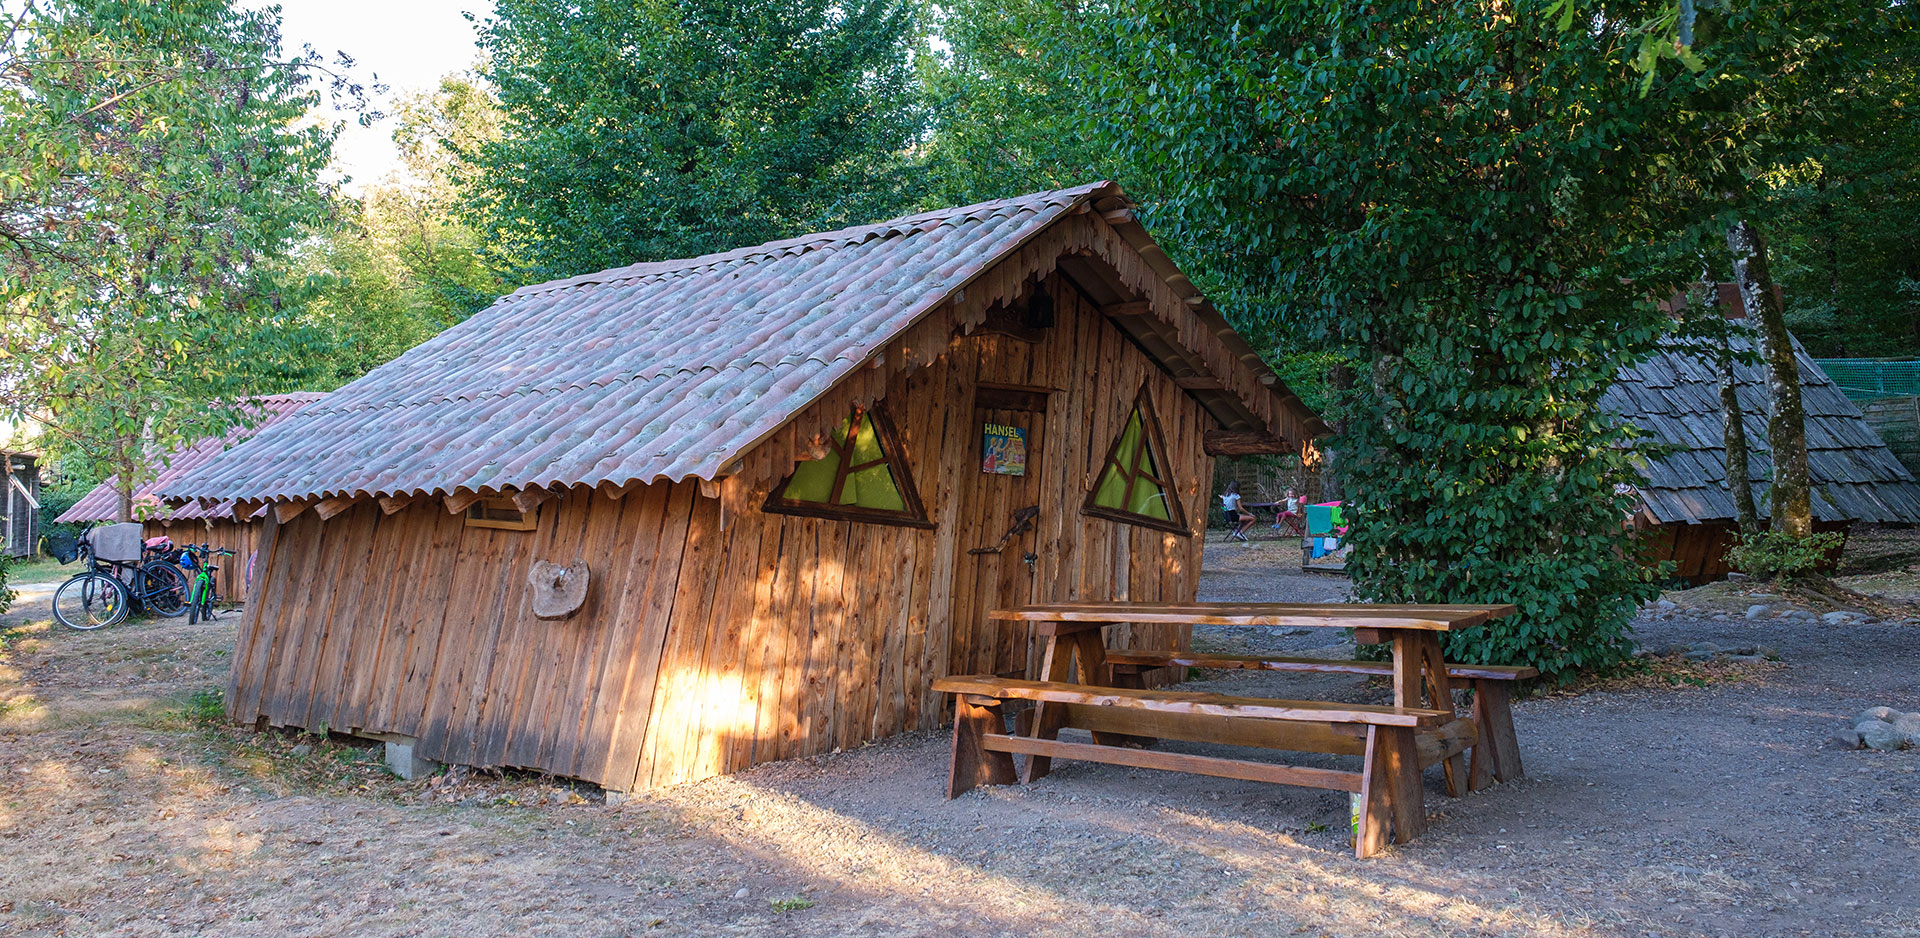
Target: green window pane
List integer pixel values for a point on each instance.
(1150, 500)
(866, 445)
(1112, 490)
(1129, 442)
(813, 480)
(873, 488)
(1133, 451)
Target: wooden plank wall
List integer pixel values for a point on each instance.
(1699, 551)
(242, 539)
(712, 639)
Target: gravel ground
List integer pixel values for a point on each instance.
(1651, 810)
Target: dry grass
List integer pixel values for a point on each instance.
(1669, 671)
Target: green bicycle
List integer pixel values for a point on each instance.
(204, 591)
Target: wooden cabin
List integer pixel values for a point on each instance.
(1687, 506)
(798, 475)
(219, 524)
(20, 526)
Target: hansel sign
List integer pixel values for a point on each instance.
(1005, 450)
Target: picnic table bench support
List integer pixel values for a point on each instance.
(975, 717)
(1494, 755)
(1392, 805)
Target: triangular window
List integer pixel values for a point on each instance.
(1134, 484)
(862, 477)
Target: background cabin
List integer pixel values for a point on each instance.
(1674, 400)
(20, 527)
(218, 523)
(798, 475)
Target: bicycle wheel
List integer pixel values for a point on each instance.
(88, 601)
(197, 598)
(163, 588)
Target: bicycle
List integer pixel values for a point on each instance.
(98, 596)
(205, 590)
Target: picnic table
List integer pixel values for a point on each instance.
(1083, 685)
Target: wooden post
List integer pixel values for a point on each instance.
(1497, 753)
(1390, 793)
(973, 765)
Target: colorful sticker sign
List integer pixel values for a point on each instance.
(1006, 450)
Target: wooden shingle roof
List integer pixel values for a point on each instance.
(1674, 399)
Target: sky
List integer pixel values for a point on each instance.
(409, 44)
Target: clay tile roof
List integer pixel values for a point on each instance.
(103, 503)
(659, 371)
(1674, 399)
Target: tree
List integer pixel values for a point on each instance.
(1777, 101)
(1791, 495)
(399, 263)
(1475, 207)
(157, 166)
(1005, 117)
(655, 130)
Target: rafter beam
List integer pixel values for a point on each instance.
(284, 512)
(328, 507)
(528, 499)
(1244, 443)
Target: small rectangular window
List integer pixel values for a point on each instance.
(500, 513)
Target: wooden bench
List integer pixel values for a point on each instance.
(1495, 750)
(1388, 782)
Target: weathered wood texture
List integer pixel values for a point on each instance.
(1698, 552)
(715, 636)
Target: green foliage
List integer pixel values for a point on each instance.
(56, 499)
(1843, 199)
(1469, 205)
(655, 130)
(791, 904)
(205, 709)
(1007, 115)
(158, 166)
(1770, 554)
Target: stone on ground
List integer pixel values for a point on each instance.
(1880, 735)
(1883, 714)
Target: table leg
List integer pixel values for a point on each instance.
(1063, 640)
(1496, 756)
(1433, 669)
(1408, 663)
(1391, 799)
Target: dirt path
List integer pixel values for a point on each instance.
(125, 809)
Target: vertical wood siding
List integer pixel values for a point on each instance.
(714, 638)
(241, 538)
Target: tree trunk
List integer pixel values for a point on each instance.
(1791, 504)
(1734, 431)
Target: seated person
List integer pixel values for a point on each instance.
(1237, 515)
(1292, 514)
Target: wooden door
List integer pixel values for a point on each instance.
(993, 565)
